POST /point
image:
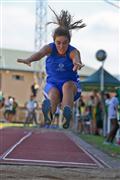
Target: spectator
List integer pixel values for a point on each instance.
(2, 100)
(99, 118)
(107, 100)
(8, 114)
(34, 89)
(112, 115)
(87, 120)
(31, 106)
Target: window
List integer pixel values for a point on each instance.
(17, 77)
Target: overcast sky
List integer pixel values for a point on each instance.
(17, 30)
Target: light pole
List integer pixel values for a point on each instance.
(101, 56)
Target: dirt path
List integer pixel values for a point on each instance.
(10, 172)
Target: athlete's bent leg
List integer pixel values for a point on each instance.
(69, 90)
(54, 97)
(49, 105)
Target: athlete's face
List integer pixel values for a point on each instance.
(61, 43)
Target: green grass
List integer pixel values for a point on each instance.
(97, 141)
(4, 125)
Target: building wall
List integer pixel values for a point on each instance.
(17, 84)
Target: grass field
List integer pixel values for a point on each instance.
(97, 141)
(3, 125)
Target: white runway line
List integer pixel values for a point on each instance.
(50, 162)
(43, 161)
(14, 146)
(97, 160)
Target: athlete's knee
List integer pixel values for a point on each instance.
(69, 85)
(54, 94)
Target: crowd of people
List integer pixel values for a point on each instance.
(89, 114)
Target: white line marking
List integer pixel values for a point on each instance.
(18, 143)
(96, 159)
(92, 157)
(51, 162)
(39, 161)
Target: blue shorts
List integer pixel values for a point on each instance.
(59, 85)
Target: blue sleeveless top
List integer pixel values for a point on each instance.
(59, 68)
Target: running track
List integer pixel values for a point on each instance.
(43, 147)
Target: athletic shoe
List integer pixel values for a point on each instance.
(46, 109)
(67, 114)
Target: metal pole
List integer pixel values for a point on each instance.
(102, 99)
(101, 56)
(102, 77)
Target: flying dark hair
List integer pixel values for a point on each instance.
(65, 24)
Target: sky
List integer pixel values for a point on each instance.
(17, 28)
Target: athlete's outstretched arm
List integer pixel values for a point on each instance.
(76, 58)
(36, 56)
